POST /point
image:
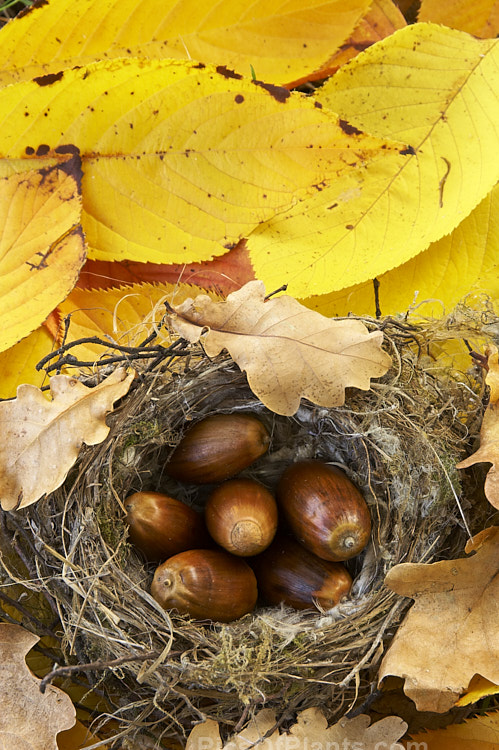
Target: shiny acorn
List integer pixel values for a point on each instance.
(218, 447)
(287, 572)
(161, 526)
(324, 509)
(241, 516)
(206, 584)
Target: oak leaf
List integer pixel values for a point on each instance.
(310, 731)
(451, 632)
(479, 733)
(41, 438)
(29, 719)
(488, 451)
(41, 244)
(287, 351)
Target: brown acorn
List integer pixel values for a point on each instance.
(218, 447)
(287, 572)
(206, 584)
(324, 509)
(241, 516)
(161, 526)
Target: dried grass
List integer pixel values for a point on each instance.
(399, 442)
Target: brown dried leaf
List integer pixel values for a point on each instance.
(310, 731)
(41, 438)
(29, 719)
(451, 632)
(288, 351)
(489, 433)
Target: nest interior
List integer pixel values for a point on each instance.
(398, 442)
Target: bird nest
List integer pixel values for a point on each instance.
(162, 672)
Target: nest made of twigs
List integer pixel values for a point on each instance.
(399, 442)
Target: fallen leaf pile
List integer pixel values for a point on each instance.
(29, 720)
(41, 438)
(451, 632)
(310, 731)
(287, 351)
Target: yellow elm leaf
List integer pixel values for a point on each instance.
(17, 364)
(41, 245)
(451, 631)
(463, 262)
(125, 316)
(287, 351)
(480, 18)
(30, 719)
(282, 39)
(430, 87)
(179, 159)
(478, 688)
(479, 733)
(42, 438)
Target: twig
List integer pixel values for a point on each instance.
(95, 665)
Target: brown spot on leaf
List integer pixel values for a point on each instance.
(348, 129)
(228, 73)
(36, 4)
(349, 226)
(409, 151)
(239, 98)
(49, 79)
(42, 150)
(318, 105)
(279, 93)
(29, 150)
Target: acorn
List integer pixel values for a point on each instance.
(324, 509)
(241, 516)
(206, 584)
(218, 447)
(161, 526)
(287, 572)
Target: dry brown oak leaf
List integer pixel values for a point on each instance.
(310, 732)
(29, 719)
(41, 439)
(489, 433)
(451, 632)
(287, 351)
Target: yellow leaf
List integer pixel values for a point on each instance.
(30, 719)
(478, 688)
(430, 87)
(125, 316)
(451, 632)
(17, 364)
(41, 439)
(282, 40)
(287, 351)
(41, 245)
(461, 263)
(480, 18)
(480, 733)
(179, 159)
